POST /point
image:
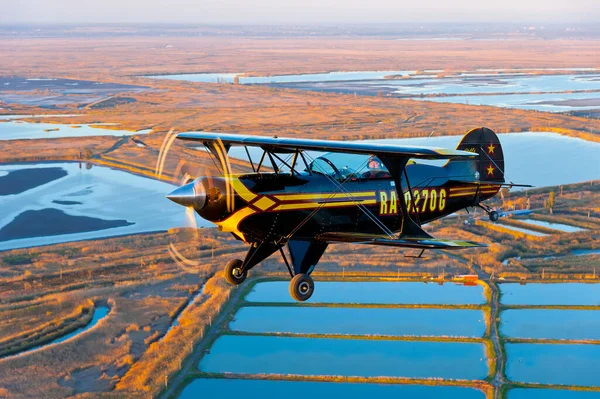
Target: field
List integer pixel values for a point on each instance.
(165, 298)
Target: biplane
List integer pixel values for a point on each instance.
(356, 192)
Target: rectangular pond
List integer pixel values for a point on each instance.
(550, 294)
(345, 357)
(560, 364)
(371, 292)
(523, 230)
(540, 393)
(225, 388)
(550, 323)
(555, 226)
(360, 321)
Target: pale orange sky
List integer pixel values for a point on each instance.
(297, 11)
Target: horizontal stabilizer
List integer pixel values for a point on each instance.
(407, 242)
(487, 183)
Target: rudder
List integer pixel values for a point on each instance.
(485, 142)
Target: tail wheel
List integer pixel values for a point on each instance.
(233, 272)
(302, 287)
(494, 216)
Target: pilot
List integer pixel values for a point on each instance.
(376, 169)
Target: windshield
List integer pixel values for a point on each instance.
(342, 166)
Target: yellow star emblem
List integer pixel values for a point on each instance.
(491, 148)
(490, 170)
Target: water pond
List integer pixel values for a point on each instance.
(550, 294)
(560, 364)
(509, 89)
(99, 313)
(18, 130)
(271, 389)
(550, 323)
(549, 102)
(345, 357)
(523, 230)
(583, 252)
(361, 321)
(373, 293)
(58, 202)
(308, 77)
(556, 226)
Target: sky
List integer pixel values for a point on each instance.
(297, 11)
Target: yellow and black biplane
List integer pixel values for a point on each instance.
(360, 193)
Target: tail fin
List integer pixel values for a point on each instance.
(485, 142)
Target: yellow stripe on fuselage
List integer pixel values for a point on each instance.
(231, 224)
(303, 197)
(313, 205)
(242, 190)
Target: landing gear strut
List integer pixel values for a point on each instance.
(234, 273)
(302, 287)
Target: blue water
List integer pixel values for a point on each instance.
(345, 357)
(103, 193)
(373, 292)
(361, 321)
(269, 389)
(556, 226)
(523, 393)
(412, 85)
(308, 77)
(522, 230)
(561, 364)
(582, 252)
(25, 130)
(99, 313)
(524, 101)
(550, 294)
(550, 323)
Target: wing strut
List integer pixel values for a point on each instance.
(397, 166)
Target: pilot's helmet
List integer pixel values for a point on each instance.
(374, 163)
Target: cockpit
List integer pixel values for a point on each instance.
(350, 167)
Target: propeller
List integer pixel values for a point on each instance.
(200, 187)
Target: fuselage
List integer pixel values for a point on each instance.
(268, 206)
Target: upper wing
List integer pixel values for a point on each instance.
(276, 144)
(408, 242)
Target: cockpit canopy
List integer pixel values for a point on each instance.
(351, 167)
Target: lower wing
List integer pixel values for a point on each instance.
(407, 242)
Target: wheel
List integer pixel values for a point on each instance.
(302, 287)
(233, 272)
(494, 216)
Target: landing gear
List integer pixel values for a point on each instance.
(233, 272)
(493, 215)
(302, 287)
